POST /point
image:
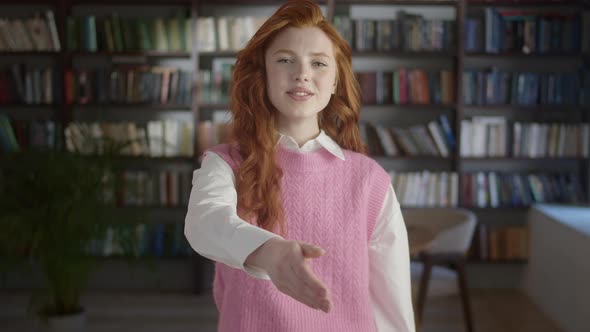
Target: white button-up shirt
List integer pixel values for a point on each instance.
(215, 231)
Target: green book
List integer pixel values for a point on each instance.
(118, 33)
(145, 35)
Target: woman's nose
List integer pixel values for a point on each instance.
(302, 73)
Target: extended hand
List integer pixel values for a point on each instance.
(286, 264)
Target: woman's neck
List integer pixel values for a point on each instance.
(300, 133)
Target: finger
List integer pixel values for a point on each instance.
(311, 251)
(300, 297)
(305, 291)
(309, 280)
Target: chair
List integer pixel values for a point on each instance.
(453, 229)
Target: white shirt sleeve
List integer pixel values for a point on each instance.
(212, 226)
(389, 263)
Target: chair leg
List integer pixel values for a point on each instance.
(423, 290)
(464, 291)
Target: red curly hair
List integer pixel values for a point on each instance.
(254, 118)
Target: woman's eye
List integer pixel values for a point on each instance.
(284, 61)
(319, 64)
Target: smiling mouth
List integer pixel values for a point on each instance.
(300, 93)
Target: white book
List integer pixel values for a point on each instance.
(386, 141)
(403, 186)
(436, 133)
(466, 138)
(53, 30)
(97, 137)
(155, 131)
(433, 190)
(517, 138)
(422, 188)
(206, 34)
(484, 145)
(222, 34)
(171, 138)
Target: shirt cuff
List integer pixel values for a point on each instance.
(252, 237)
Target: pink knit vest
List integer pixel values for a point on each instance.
(328, 202)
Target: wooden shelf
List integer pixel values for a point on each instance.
(505, 55)
(211, 107)
(477, 209)
(149, 54)
(524, 108)
(131, 2)
(498, 262)
(412, 158)
(30, 106)
(413, 107)
(517, 3)
(148, 107)
(225, 54)
(405, 54)
(399, 2)
(30, 53)
(521, 159)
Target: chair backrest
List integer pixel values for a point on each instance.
(453, 227)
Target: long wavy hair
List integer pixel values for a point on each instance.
(254, 118)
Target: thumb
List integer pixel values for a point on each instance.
(311, 251)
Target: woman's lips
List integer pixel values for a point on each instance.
(300, 94)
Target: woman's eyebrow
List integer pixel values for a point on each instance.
(315, 54)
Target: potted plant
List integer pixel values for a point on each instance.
(52, 207)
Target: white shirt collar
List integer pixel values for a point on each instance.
(322, 140)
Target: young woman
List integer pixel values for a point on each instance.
(305, 228)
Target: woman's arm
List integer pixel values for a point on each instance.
(212, 226)
(389, 263)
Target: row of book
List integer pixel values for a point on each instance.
(407, 86)
(19, 134)
(37, 33)
(129, 85)
(496, 87)
(496, 189)
(489, 136)
(425, 188)
(30, 86)
(159, 138)
(408, 31)
(500, 243)
(433, 139)
(213, 84)
(142, 240)
(117, 34)
(524, 30)
(150, 188)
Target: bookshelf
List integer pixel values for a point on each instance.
(204, 106)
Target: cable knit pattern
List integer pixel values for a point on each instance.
(328, 202)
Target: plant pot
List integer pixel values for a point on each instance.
(67, 323)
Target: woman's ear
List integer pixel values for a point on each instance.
(334, 89)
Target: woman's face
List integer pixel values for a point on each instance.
(300, 73)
